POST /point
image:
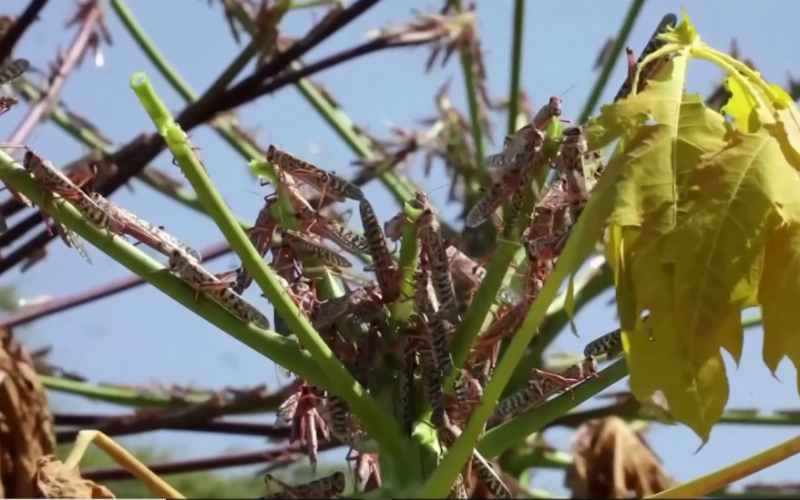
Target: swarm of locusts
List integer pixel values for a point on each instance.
(408, 346)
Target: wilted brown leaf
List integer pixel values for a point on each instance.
(53, 479)
(26, 425)
(611, 461)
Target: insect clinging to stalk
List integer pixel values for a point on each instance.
(431, 244)
(653, 44)
(149, 234)
(308, 248)
(203, 281)
(382, 262)
(609, 344)
(325, 182)
(331, 229)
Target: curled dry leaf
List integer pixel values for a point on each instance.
(53, 479)
(611, 461)
(26, 425)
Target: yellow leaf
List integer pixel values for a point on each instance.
(569, 304)
(720, 235)
(779, 296)
(731, 335)
(615, 256)
(741, 107)
(684, 34)
(692, 378)
(787, 128)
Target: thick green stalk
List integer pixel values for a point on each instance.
(281, 350)
(509, 434)
(616, 50)
(516, 65)
(385, 431)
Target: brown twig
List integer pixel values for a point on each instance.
(331, 61)
(55, 306)
(21, 25)
(131, 160)
(90, 421)
(51, 96)
(204, 464)
(247, 89)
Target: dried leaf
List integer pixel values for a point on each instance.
(53, 479)
(26, 427)
(611, 461)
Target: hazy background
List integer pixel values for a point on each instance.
(130, 337)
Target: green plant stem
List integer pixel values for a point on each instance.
(509, 434)
(517, 461)
(283, 351)
(478, 312)
(119, 396)
(619, 46)
(516, 65)
(400, 187)
(222, 127)
(468, 70)
(385, 431)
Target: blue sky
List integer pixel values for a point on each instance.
(122, 339)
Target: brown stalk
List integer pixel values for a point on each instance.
(329, 62)
(90, 421)
(248, 87)
(286, 453)
(55, 306)
(131, 160)
(256, 399)
(51, 96)
(22, 23)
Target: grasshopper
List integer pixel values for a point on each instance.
(51, 180)
(573, 151)
(136, 227)
(542, 385)
(430, 320)
(520, 173)
(329, 228)
(260, 235)
(300, 411)
(203, 281)
(471, 275)
(448, 434)
(308, 248)
(431, 245)
(531, 164)
(406, 381)
(667, 22)
(459, 489)
(382, 262)
(326, 183)
(325, 487)
(609, 344)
